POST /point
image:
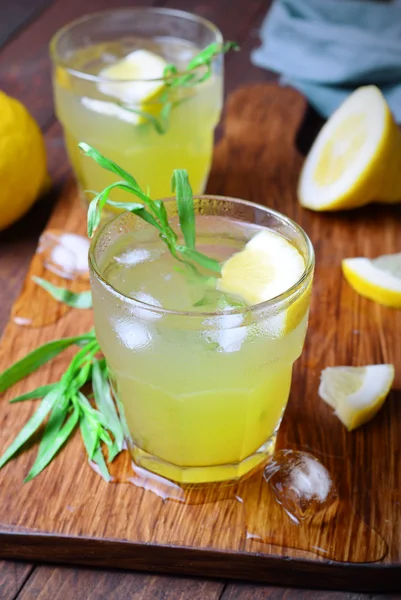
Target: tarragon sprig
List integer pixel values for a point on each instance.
(192, 76)
(66, 406)
(38, 357)
(198, 69)
(152, 211)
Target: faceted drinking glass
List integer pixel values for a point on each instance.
(203, 392)
(94, 109)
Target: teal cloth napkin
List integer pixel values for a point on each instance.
(327, 48)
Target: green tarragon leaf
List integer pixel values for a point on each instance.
(38, 357)
(108, 164)
(201, 259)
(91, 443)
(82, 300)
(97, 204)
(32, 425)
(185, 204)
(105, 404)
(39, 392)
(52, 443)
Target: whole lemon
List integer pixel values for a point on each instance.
(22, 160)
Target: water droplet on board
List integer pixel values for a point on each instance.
(124, 470)
(23, 321)
(62, 259)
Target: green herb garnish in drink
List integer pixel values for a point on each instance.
(152, 211)
(147, 93)
(197, 71)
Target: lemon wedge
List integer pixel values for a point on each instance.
(356, 393)
(135, 81)
(378, 279)
(267, 266)
(355, 158)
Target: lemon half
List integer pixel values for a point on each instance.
(356, 157)
(356, 393)
(378, 279)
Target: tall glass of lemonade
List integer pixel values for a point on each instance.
(203, 376)
(110, 92)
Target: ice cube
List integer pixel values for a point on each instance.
(135, 336)
(130, 258)
(66, 254)
(109, 109)
(300, 483)
(229, 334)
(144, 313)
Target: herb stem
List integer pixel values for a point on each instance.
(158, 216)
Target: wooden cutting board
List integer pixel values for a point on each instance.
(70, 515)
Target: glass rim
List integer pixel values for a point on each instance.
(173, 12)
(259, 307)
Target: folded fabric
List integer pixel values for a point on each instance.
(327, 48)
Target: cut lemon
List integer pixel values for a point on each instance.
(378, 279)
(356, 393)
(135, 81)
(356, 156)
(267, 266)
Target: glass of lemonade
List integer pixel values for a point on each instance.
(100, 101)
(203, 379)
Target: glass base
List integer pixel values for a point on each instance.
(206, 474)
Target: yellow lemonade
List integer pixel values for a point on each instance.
(203, 378)
(99, 101)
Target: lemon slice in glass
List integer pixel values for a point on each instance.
(356, 393)
(356, 156)
(135, 81)
(138, 77)
(267, 266)
(378, 279)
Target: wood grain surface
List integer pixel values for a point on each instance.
(25, 73)
(54, 519)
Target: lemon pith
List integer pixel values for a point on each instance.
(22, 160)
(355, 158)
(372, 280)
(356, 393)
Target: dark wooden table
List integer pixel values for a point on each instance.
(26, 27)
